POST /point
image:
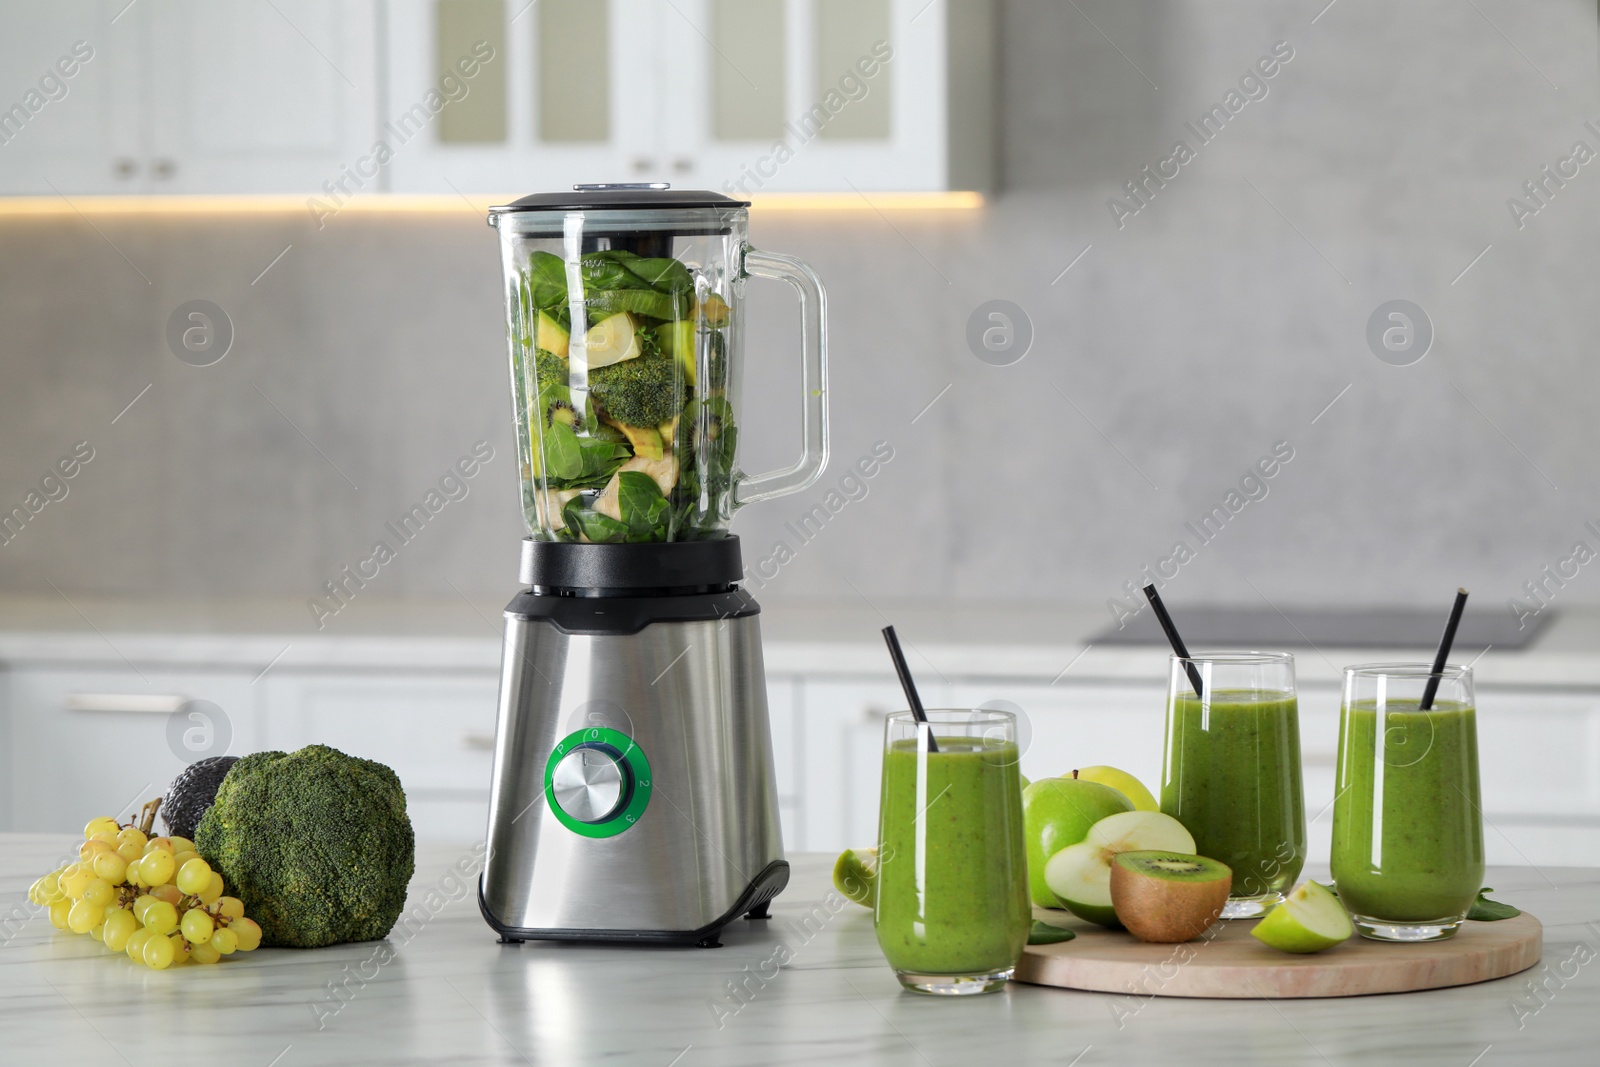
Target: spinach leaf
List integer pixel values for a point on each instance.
(601, 458)
(665, 275)
(547, 281)
(643, 507)
(563, 454)
(1043, 933)
(606, 270)
(601, 529)
(1485, 910)
(645, 302)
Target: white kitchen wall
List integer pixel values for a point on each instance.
(1221, 318)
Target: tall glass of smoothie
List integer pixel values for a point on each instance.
(1231, 773)
(1407, 825)
(952, 913)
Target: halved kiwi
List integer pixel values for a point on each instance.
(1166, 897)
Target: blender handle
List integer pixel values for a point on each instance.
(814, 341)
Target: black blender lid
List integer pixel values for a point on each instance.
(621, 197)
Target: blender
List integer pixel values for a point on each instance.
(633, 796)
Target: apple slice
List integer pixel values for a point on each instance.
(1080, 875)
(612, 340)
(1310, 919)
(855, 874)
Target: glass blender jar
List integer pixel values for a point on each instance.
(625, 318)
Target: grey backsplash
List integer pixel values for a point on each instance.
(1219, 321)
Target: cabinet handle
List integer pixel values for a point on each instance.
(165, 168)
(476, 741)
(125, 168)
(643, 164)
(683, 164)
(873, 713)
(158, 704)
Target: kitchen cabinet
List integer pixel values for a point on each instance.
(1539, 755)
(740, 96)
(435, 729)
(258, 98)
(182, 96)
(98, 741)
(69, 118)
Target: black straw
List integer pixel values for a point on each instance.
(1171, 631)
(906, 683)
(1444, 651)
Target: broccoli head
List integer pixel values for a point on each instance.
(638, 392)
(317, 844)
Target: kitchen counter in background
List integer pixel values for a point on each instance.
(415, 685)
(452, 994)
(1012, 641)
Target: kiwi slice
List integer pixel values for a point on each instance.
(1174, 866)
(1165, 897)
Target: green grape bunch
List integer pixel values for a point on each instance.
(154, 898)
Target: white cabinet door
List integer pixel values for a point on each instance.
(536, 96)
(435, 730)
(261, 98)
(69, 98)
(841, 758)
(96, 742)
(824, 95)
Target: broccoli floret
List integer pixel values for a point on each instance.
(317, 844)
(549, 369)
(638, 392)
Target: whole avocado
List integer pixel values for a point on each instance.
(317, 844)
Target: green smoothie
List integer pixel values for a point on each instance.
(1407, 833)
(1232, 777)
(952, 875)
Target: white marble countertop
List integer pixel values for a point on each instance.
(451, 994)
(1015, 642)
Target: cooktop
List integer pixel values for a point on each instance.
(1215, 627)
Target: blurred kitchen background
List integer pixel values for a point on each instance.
(1158, 341)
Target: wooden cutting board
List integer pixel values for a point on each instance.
(1228, 962)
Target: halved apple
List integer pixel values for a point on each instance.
(1080, 875)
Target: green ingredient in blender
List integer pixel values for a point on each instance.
(638, 301)
(612, 340)
(593, 526)
(551, 336)
(640, 392)
(677, 340)
(644, 508)
(646, 441)
(651, 457)
(574, 462)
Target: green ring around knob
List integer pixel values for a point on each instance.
(634, 765)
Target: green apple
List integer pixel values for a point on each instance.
(1310, 919)
(855, 874)
(1122, 782)
(1080, 875)
(1057, 812)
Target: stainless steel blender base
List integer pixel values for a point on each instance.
(633, 795)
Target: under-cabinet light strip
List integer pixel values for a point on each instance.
(396, 203)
